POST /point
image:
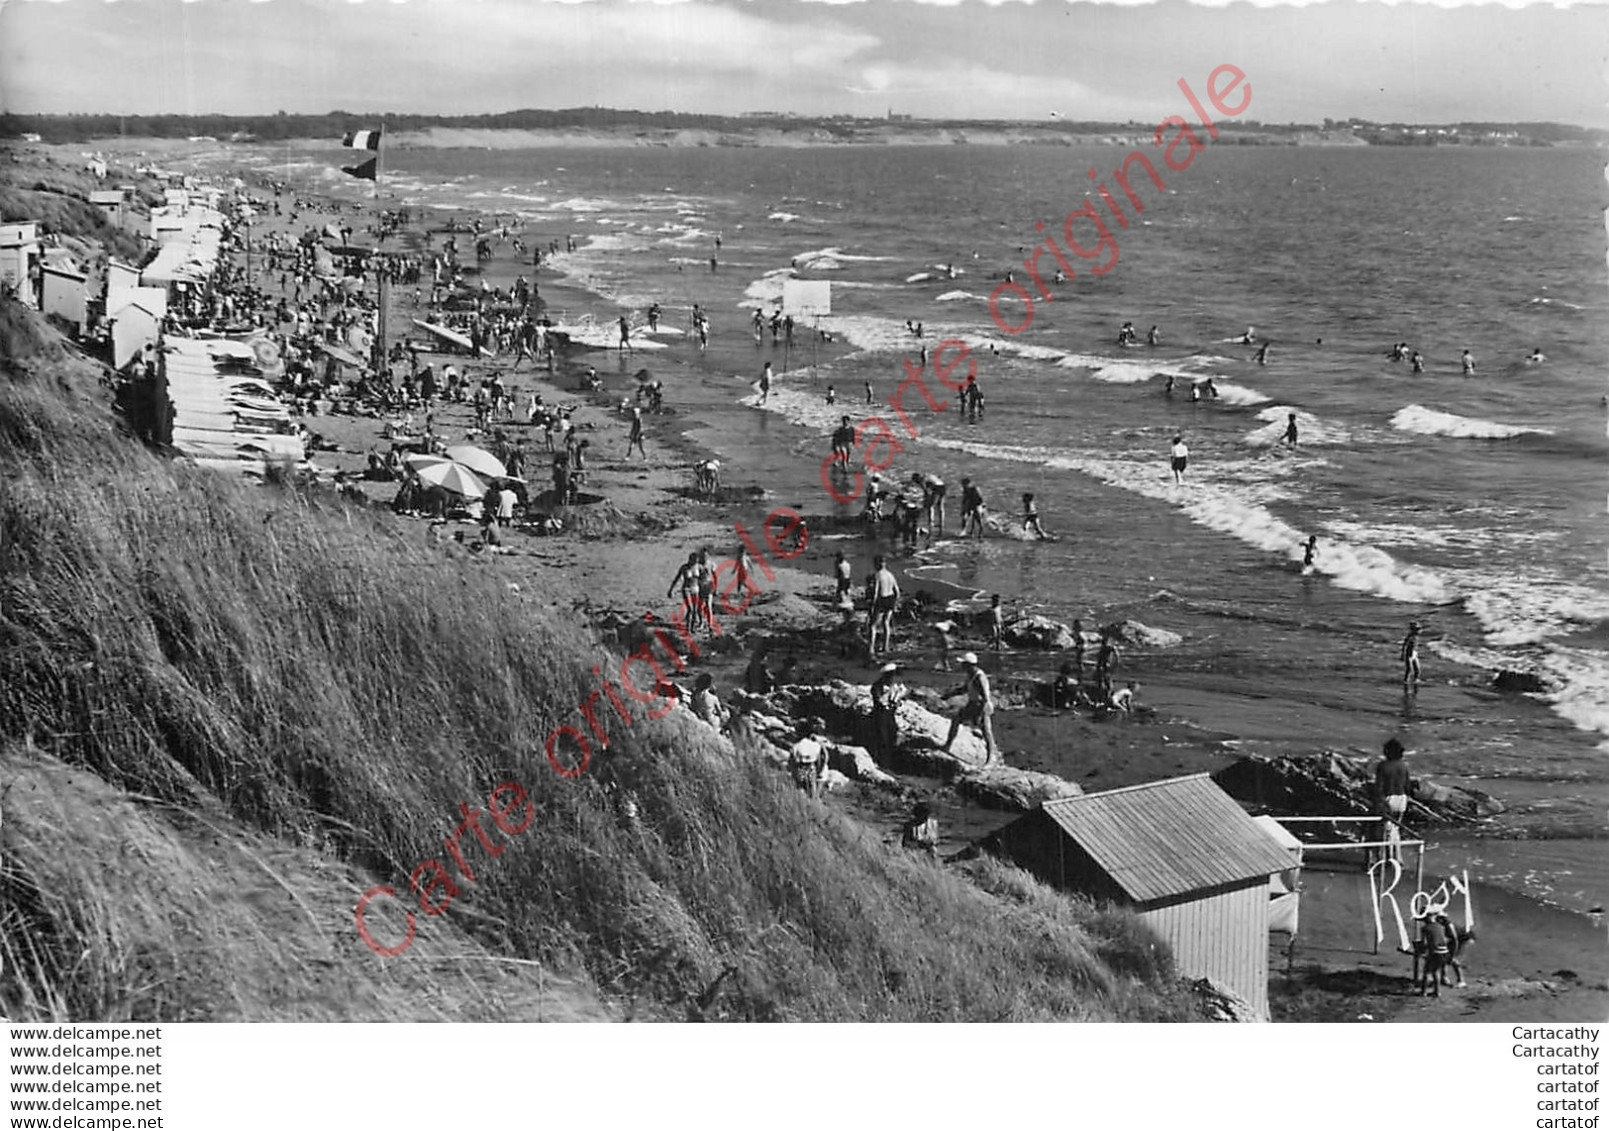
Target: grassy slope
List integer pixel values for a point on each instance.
(298, 702)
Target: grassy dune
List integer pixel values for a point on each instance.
(273, 680)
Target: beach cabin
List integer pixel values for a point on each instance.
(1182, 853)
(112, 204)
(64, 293)
(19, 260)
(136, 323)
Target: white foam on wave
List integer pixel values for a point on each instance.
(784, 217)
(1241, 396)
(767, 289)
(832, 259)
(1530, 608)
(1432, 422)
(1310, 430)
(957, 296)
(1234, 508)
(807, 408)
(588, 204)
(919, 277)
(1440, 537)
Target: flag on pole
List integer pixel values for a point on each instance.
(362, 139)
(364, 170)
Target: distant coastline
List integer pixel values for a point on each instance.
(601, 127)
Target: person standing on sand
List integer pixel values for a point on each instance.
(1391, 784)
(844, 573)
(625, 333)
(979, 709)
(687, 579)
(1410, 656)
(971, 510)
(885, 723)
(635, 440)
(885, 599)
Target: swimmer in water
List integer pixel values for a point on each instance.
(1290, 430)
(1417, 361)
(1308, 553)
(1536, 356)
(1154, 337)
(1249, 336)
(1469, 364)
(1167, 390)
(1262, 354)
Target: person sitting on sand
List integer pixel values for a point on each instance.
(921, 830)
(1064, 692)
(807, 760)
(707, 705)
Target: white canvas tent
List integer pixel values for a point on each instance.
(806, 298)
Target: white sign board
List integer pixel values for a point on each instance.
(804, 298)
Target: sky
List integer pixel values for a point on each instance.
(1023, 59)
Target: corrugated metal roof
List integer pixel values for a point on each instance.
(1169, 837)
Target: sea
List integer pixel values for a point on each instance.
(1473, 505)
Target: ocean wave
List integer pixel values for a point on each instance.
(1431, 422)
(767, 289)
(957, 296)
(1310, 430)
(1236, 509)
(832, 259)
(784, 217)
(587, 204)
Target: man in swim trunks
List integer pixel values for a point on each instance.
(843, 438)
(1391, 782)
(843, 572)
(1410, 656)
(1469, 364)
(885, 599)
(1179, 459)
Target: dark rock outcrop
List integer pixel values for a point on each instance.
(1334, 785)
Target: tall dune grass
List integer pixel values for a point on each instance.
(344, 687)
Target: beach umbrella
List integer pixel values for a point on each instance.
(452, 477)
(420, 461)
(478, 459)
